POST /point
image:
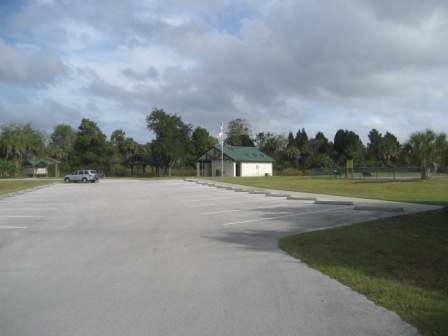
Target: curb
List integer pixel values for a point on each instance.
(258, 192)
(334, 202)
(298, 198)
(276, 195)
(378, 208)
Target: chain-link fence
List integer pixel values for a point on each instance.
(394, 173)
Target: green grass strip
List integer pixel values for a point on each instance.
(432, 191)
(9, 186)
(400, 263)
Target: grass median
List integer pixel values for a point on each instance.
(9, 186)
(431, 191)
(400, 263)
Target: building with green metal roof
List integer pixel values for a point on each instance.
(234, 161)
(36, 168)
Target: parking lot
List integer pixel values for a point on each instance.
(176, 257)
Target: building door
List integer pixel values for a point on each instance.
(208, 169)
(238, 169)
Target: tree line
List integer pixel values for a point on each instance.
(177, 144)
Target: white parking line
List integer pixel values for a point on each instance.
(190, 196)
(284, 216)
(239, 202)
(35, 201)
(237, 210)
(223, 198)
(13, 227)
(186, 188)
(46, 193)
(20, 216)
(27, 209)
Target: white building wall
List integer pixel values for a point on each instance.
(256, 169)
(247, 169)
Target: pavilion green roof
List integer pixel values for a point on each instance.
(37, 162)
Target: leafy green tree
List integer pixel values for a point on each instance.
(172, 142)
(272, 144)
(12, 144)
(144, 148)
(320, 152)
(61, 142)
(426, 149)
(348, 146)
(7, 168)
(291, 141)
(292, 155)
(246, 141)
(125, 146)
(239, 133)
(117, 140)
(323, 161)
(19, 141)
(260, 140)
(130, 147)
(445, 157)
(202, 140)
(383, 149)
(302, 144)
(64, 136)
(323, 145)
(301, 138)
(35, 141)
(91, 147)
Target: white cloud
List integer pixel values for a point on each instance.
(28, 66)
(282, 65)
(374, 122)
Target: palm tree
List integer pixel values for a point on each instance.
(7, 168)
(13, 143)
(34, 140)
(130, 147)
(426, 149)
(292, 154)
(117, 139)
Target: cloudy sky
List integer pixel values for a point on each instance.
(282, 65)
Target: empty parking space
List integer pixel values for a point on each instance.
(25, 209)
(237, 206)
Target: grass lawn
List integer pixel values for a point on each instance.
(400, 263)
(9, 186)
(433, 191)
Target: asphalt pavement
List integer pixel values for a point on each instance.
(176, 257)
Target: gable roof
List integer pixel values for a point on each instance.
(34, 163)
(239, 154)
